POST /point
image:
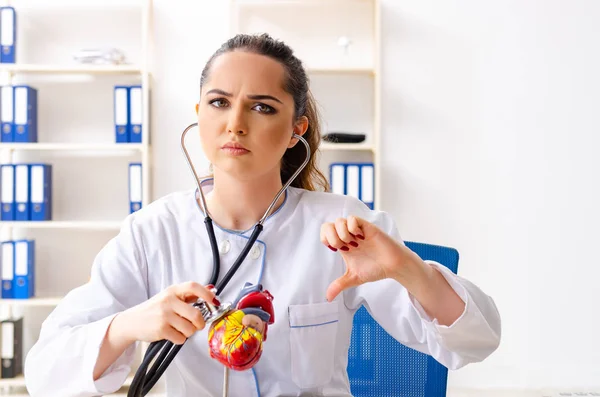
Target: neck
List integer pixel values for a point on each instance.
(239, 205)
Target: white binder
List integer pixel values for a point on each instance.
(135, 114)
(22, 186)
(352, 181)
(135, 186)
(338, 179)
(7, 112)
(8, 269)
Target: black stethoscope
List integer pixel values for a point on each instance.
(144, 381)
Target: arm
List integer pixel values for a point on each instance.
(424, 305)
(74, 355)
(429, 287)
(113, 346)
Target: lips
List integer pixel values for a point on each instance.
(234, 149)
(233, 145)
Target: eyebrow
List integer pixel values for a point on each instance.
(254, 97)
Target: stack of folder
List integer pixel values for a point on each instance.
(354, 179)
(26, 192)
(18, 269)
(19, 113)
(128, 113)
(8, 34)
(11, 335)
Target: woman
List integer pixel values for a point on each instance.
(320, 255)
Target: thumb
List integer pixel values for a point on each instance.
(341, 284)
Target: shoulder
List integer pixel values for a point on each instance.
(173, 207)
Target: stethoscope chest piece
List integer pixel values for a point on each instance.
(211, 313)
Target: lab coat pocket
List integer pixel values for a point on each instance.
(313, 332)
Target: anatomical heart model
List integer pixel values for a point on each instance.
(234, 345)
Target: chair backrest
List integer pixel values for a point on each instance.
(378, 365)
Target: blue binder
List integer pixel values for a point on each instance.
(135, 187)
(26, 119)
(8, 34)
(354, 179)
(22, 192)
(7, 113)
(8, 192)
(41, 192)
(135, 114)
(8, 269)
(121, 113)
(24, 276)
(367, 184)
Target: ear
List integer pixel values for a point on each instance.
(300, 128)
(197, 106)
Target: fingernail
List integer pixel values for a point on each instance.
(360, 237)
(216, 302)
(331, 248)
(354, 244)
(344, 248)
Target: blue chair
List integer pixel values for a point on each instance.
(378, 365)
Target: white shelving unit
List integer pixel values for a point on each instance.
(117, 148)
(101, 148)
(33, 302)
(313, 28)
(74, 225)
(71, 69)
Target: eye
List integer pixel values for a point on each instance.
(218, 103)
(263, 108)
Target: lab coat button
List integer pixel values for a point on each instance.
(255, 252)
(225, 247)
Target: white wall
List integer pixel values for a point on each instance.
(488, 138)
(489, 125)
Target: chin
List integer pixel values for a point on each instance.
(239, 171)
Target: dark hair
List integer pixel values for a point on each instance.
(296, 84)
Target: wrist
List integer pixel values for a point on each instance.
(120, 330)
(413, 273)
(410, 270)
(436, 296)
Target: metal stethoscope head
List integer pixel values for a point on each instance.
(285, 186)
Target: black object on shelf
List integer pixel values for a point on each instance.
(344, 137)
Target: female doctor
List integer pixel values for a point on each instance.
(320, 255)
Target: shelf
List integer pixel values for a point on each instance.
(89, 225)
(340, 70)
(70, 69)
(38, 302)
(93, 4)
(311, 3)
(328, 146)
(17, 381)
(109, 147)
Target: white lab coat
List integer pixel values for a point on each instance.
(307, 346)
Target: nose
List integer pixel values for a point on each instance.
(236, 123)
